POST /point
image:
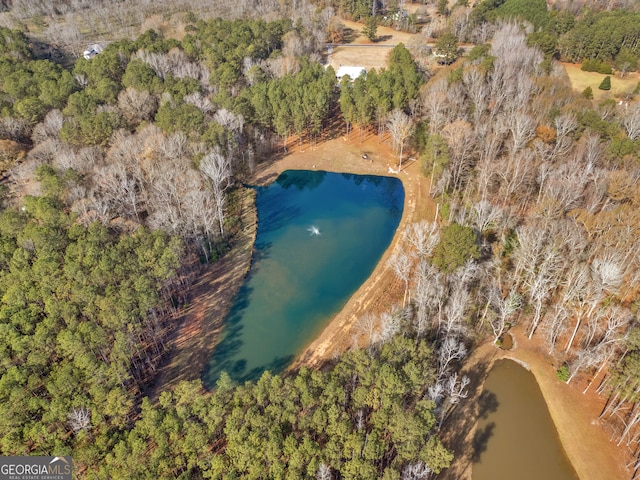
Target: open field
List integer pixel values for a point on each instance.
(368, 56)
(581, 80)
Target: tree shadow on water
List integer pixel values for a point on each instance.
(223, 357)
(456, 430)
(301, 179)
(276, 216)
(487, 404)
(261, 251)
(481, 440)
(276, 366)
(226, 354)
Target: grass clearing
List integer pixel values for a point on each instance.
(370, 55)
(581, 80)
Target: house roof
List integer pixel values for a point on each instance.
(353, 72)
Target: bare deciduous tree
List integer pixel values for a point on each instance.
(521, 127)
(400, 126)
(555, 325)
(583, 294)
(423, 237)
(415, 470)
(584, 359)
(137, 105)
(79, 419)
(49, 128)
(217, 168)
(401, 264)
(200, 101)
(389, 325)
(324, 472)
(515, 63)
(461, 140)
(367, 326)
(452, 322)
(455, 389)
(565, 124)
(517, 177)
(631, 121)
(434, 104)
(429, 295)
(538, 265)
(485, 215)
(451, 350)
(504, 307)
(474, 79)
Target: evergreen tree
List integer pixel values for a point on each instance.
(457, 245)
(447, 48)
(370, 29)
(442, 7)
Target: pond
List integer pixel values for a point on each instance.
(320, 235)
(516, 437)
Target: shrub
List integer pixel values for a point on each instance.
(588, 93)
(606, 83)
(563, 373)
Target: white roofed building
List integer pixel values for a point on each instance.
(353, 72)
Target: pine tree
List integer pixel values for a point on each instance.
(606, 83)
(371, 28)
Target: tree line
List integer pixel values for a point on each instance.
(569, 31)
(370, 98)
(141, 122)
(365, 417)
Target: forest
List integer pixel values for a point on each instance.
(122, 176)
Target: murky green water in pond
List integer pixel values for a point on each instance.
(516, 438)
(301, 277)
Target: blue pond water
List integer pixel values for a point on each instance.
(300, 278)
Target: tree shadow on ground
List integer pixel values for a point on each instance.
(349, 35)
(223, 356)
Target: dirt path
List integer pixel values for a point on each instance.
(584, 439)
(201, 322)
(382, 289)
